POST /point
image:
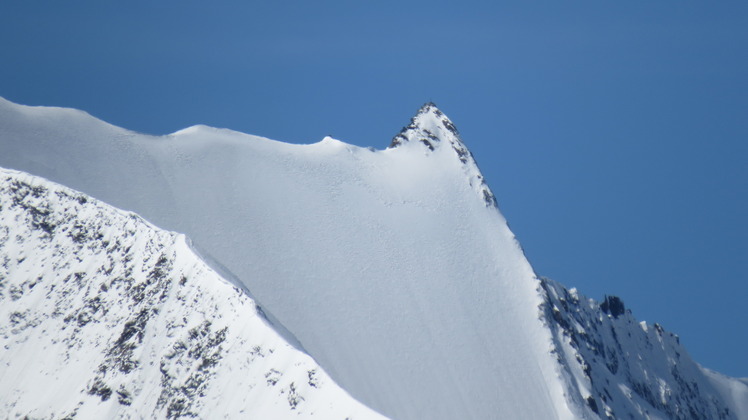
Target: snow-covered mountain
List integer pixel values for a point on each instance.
(625, 369)
(105, 316)
(393, 268)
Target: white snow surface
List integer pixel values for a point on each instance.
(393, 274)
(393, 268)
(107, 316)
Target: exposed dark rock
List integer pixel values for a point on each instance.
(613, 305)
(593, 404)
(100, 389)
(293, 397)
(313, 381)
(123, 396)
(595, 332)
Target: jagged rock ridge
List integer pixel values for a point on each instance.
(625, 369)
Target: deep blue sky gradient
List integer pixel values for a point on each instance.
(614, 134)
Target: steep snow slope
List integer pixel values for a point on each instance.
(106, 316)
(393, 268)
(387, 265)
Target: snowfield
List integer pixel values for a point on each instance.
(393, 268)
(107, 316)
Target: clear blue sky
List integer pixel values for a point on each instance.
(614, 134)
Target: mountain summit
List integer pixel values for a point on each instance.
(399, 277)
(432, 128)
(429, 126)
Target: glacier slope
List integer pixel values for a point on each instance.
(387, 265)
(392, 267)
(111, 317)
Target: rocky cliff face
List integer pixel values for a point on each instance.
(620, 368)
(106, 316)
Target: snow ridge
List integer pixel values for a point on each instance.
(410, 292)
(387, 266)
(106, 316)
(431, 128)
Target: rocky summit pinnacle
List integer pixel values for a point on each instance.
(429, 126)
(432, 128)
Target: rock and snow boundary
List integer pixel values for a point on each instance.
(620, 368)
(106, 316)
(393, 267)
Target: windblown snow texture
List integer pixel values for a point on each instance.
(392, 267)
(104, 316)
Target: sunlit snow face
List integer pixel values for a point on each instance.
(111, 316)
